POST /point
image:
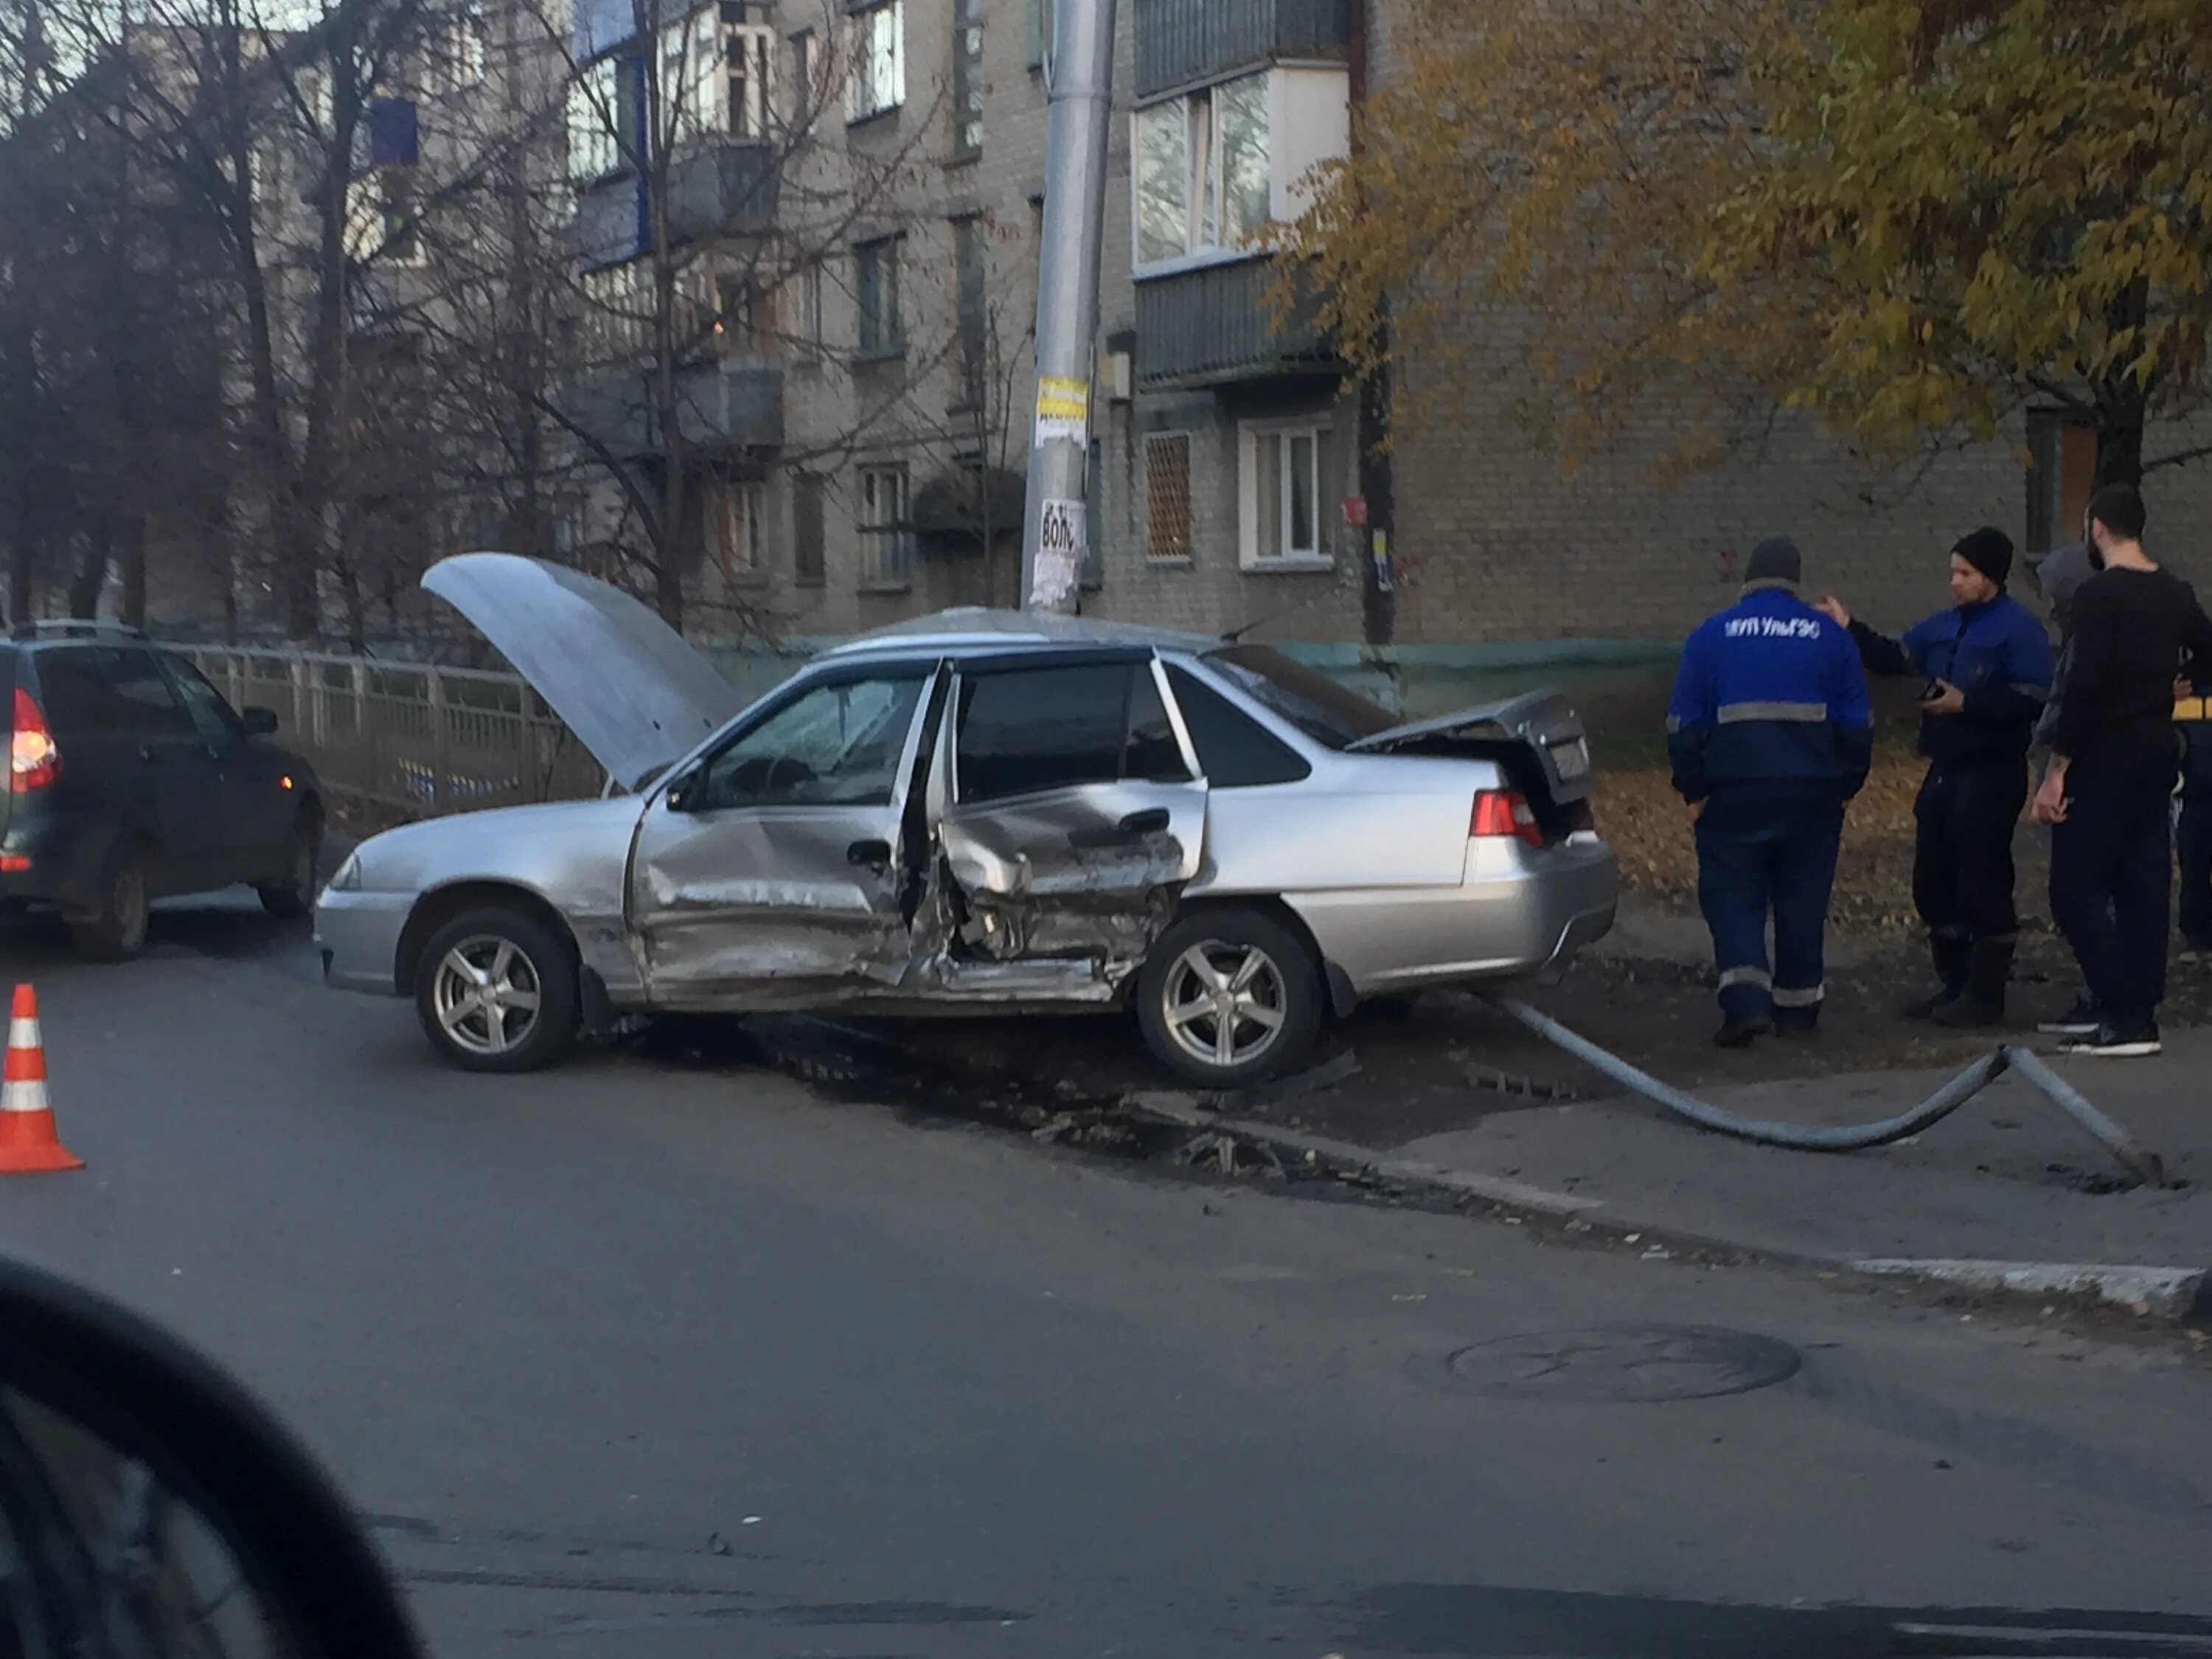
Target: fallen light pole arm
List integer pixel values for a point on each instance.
(1850, 1137)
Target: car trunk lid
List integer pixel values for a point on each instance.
(1537, 738)
(637, 697)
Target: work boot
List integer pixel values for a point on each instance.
(1742, 1033)
(1953, 955)
(1988, 969)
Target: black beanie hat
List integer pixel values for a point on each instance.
(1774, 559)
(1988, 549)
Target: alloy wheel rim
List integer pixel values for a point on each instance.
(486, 995)
(1224, 1004)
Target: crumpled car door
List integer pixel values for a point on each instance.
(1071, 813)
(774, 869)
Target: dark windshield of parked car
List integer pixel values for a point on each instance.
(1325, 711)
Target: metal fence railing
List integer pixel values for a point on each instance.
(413, 737)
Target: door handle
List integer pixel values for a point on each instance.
(873, 854)
(1153, 820)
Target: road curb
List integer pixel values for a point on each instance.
(2175, 1295)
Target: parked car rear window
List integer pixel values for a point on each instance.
(1325, 711)
(1235, 751)
(106, 690)
(1047, 728)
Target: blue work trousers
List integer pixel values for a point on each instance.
(1769, 850)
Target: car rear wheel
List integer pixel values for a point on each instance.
(293, 897)
(1230, 997)
(116, 931)
(496, 991)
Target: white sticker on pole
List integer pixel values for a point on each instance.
(1061, 546)
(1063, 410)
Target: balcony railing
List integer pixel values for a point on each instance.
(1187, 42)
(723, 186)
(720, 405)
(1214, 326)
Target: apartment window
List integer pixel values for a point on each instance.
(617, 312)
(600, 105)
(748, 100)
(876, 287)
(382, 218)
(2061, 476)
(971, 275)
(1167, 495)
(457, 54)
(1202, 172)
(744, 319)
(1287, 471)
(883, 524)
(741, 528)
(808, 95)
(691, 76)
(968, 80)
(879, 79)
(813, 335)
(808, 538)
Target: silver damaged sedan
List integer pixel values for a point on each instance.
(976, 813)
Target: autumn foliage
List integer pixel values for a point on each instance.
(1909, 217)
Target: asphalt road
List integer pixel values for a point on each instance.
(632, 1360)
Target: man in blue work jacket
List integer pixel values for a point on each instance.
(1985, 666)
(1770, 732)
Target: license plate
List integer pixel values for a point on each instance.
(1571, 758)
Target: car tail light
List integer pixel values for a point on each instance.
(1504, 813)
(34, 762)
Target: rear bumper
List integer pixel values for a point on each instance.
(1518, 911)
(65, 863)
(358, 934)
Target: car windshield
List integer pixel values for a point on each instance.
(1325, 711)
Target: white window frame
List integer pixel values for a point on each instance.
(877, 83)
(691, 89)
(369, 232)
(1204, 200)
(741, 529)
(748, 100)
(890, 561)
(1251, 556)
(616, 319)
(458, 51)
(812, 328)
(595, 146)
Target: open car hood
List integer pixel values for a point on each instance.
(635, 693)
(1545, 721)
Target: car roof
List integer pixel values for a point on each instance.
(973, 630)
(64, 630)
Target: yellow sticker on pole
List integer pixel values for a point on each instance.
(1063, 410)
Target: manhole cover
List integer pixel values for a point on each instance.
(1625, 1363)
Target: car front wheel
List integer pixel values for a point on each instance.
(496, 991)
(294, 896)
(1230, 997)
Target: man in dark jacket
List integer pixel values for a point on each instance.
(1770, 732)
(1986, 665)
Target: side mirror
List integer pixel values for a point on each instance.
(258, 722)
(148, 1505)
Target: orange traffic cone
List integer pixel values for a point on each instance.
(28, 1143)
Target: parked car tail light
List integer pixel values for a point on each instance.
(1504, 813)
(34, 762)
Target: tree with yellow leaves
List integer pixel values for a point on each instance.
(1909, 217)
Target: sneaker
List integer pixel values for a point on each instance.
(2109, 1043)
(1741, 1033)
(2081, 1020)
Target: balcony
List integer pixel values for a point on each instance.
(726, 405)
(722, 187)
(1213, 326)
(1183, 43)
(737, 405)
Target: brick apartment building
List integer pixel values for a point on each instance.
(861, 431)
